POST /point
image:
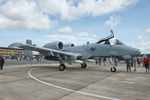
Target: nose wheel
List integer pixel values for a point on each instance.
(62, 67)
(83, 65)
(113, 69)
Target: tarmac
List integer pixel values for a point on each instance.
(45, 82)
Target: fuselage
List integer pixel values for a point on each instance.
(95, 50)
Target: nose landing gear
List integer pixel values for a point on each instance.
(113, 69)
(83, 65)
(62, 67)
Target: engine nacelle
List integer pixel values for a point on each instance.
(68, 45)
(54, 45)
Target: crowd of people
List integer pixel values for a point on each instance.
(134, 61)
(20, 58)
(109, 60)
(131, 62)
(2, 59)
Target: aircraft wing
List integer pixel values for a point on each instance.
(51, 51)
(30, 47)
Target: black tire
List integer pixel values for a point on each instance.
(83, 65)
(62, 67)
(113, 69)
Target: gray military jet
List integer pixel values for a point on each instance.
(68, 53)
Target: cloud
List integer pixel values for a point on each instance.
(137, 30)
(147, 30)
(1, 1)
(86, 34)
(113, 21)
(66, 29)
(77, 40)
(23, 14)
(76, 9)
(7, 23)
(142, 44)
(140, 38)
(36, 14)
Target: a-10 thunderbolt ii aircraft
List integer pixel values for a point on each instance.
(68, 53)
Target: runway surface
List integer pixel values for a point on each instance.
(46, 82)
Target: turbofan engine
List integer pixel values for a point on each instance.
(54, 45)
(68, 45)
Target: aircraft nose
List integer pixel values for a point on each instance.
(137, 52)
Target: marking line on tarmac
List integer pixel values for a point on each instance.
(70, 90)
(127, 82)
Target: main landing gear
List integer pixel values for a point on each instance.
(113, 69)
(62, 67)
(83, 65)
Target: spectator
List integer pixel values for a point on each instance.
(147, 64)
(99, 59)
(104, 61)
(110, 61)
(96, 61)
(143, 62)
(2, 61)
(128, 62)
(134, 63)
(115, 61)
(139, 62)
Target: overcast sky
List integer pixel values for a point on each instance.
(75, 21)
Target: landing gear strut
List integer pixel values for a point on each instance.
(113, 69)
(62, 67)
(83, 65)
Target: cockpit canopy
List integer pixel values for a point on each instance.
(118, 42)
(106, 40)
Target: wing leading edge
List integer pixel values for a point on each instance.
(47, 50)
